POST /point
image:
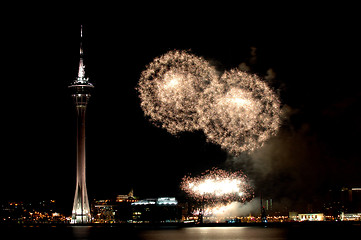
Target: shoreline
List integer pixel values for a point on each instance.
(190, 225)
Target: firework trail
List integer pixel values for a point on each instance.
(217, 185)
(239, 112)
(170, 88)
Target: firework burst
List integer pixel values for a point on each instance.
(217, 185)
(182, 92)
(239, 112)
(170, 88)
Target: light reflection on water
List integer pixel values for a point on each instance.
(81, 232)
(174, 233)
(213, 233)
(294, 231)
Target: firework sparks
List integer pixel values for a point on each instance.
(218, 185)
(217, 209)
(182, 92)
(170, 88)
(239, 112)
(219, 192)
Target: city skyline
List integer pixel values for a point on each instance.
(314, 74)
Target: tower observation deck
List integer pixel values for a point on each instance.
(81, 92)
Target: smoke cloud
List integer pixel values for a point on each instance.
(235, 209)
(246, 209)
(294, 168)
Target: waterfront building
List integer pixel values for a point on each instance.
(311, 217)
(156, 210)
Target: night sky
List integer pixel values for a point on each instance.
(316, 65)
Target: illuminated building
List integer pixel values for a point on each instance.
(355, 200)
(343, 202)
(31, 212)
(352, 201)
(311, 217)
(157, 210)
(117, 210)
(124, 207)
(350, 216)
(269, 205)
(127, 198)
(81, 88)
(103, 211)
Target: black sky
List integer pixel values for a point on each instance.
(317, 75)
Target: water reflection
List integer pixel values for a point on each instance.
(213, 233)
(288, 231)
(81, 232)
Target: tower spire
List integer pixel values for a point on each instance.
(81, 41)
(81, 72)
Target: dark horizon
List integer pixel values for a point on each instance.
(316, 75)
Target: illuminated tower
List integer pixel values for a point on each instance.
(81, 88)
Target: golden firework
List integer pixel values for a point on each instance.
(183, 92)
(218, 185)
(170, 88)
(239, 112)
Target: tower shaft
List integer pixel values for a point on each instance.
(81, 209)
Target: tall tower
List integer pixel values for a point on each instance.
(81, 89)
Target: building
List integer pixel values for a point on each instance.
(311, 217)
(355, 200)
(118, 210)
(350, 216)
(352, 211)
(81, 88)
(124, 208)
(127, 198)
(343, 201)
(103, 211)
(293, 216)
(44, 211)
(156, 210)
